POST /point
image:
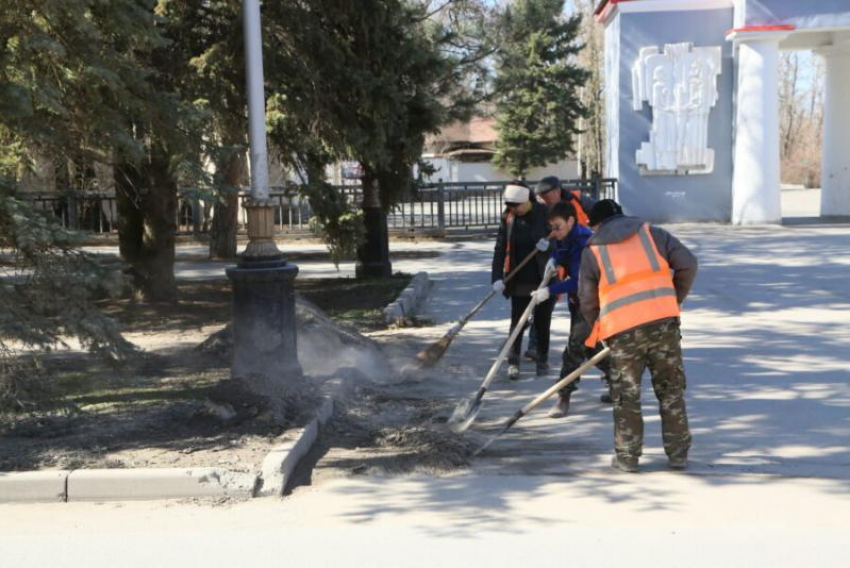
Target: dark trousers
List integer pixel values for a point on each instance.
(576, 353)
(542, 322)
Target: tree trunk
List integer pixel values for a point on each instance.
(373, 257)
(146, 199)
(229, 176)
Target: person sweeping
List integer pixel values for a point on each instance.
(522, 229)
(569, 239)
(633, 280)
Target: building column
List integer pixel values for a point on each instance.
(835, 168)
(756, 178)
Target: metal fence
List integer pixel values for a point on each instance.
(435, 208)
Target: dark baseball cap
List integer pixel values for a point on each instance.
(547, 184)
(603, 210)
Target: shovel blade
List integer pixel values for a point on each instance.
(464, 415)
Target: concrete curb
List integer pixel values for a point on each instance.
(409, 300)
(280, 463)
(124, 484)
(33, 486)
(157, 483)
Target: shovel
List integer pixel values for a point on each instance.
(548, 393)
(429, 356)
(465, 412)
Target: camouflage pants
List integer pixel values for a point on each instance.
(656, 346)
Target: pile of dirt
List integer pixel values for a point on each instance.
(389, 428)
(324, 346)
(427, 449)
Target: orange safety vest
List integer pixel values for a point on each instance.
(635, 286)
(509, 226)
(581, 214)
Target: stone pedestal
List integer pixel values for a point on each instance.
(373, 257)
(264, 328)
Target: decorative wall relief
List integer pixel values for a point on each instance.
(680, 86)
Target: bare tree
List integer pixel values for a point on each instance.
(591, 141)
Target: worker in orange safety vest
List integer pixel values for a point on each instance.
(633, 280)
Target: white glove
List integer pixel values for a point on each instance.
(541, 295)
(543, 245)
(550, 266)
(499, 286)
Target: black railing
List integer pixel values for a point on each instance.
(433, 208)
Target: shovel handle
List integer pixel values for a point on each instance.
(546, 394)
(563, 382)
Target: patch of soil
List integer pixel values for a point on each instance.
(198, 304)
(199, 418)
(387, 429)
(173, 405)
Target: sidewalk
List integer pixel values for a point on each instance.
(595, 519)
(765, 340)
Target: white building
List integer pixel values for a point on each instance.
(692, 107)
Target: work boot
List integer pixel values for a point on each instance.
(513, 372)
(624, 463)
(530, 354)
(542, 367)
(677, 462)
(562, 406)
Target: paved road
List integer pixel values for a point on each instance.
(467, 521)
(766, 342)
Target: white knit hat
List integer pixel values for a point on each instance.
(516, 194)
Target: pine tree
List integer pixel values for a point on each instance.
(209, 59)
(537, 87)
(361, 80)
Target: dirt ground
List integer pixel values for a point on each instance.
(394, 423)
(172, 405)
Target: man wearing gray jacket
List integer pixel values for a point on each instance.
(633, 280)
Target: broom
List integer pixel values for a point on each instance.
(429, 356)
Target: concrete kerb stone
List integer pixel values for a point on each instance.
(410, 299)
(280, 463)
(33, 486)
(157, 483)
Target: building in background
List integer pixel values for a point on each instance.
(692, 111)
(462, 152)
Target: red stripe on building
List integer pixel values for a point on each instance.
(764, 28)
(604, 8)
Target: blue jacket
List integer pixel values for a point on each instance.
(567, 253)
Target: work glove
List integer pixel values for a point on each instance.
(540, 295)
(543, 245)
(499, 286)
(550, 265)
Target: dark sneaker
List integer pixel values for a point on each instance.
(606, 398)
(627, 464)
(513, 372)
(542, 369)
(530, 354)
(561, 408)
(678, 463)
